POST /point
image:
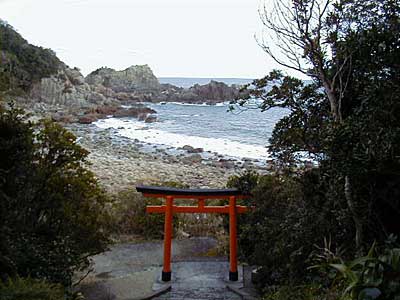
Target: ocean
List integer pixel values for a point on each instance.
(239, 134)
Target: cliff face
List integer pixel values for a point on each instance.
(131, 80)
(68, 88)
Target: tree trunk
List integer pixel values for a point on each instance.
(330, 93)
(357, 221)
(335, 111)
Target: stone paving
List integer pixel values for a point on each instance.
(129, 270)
(199, 280)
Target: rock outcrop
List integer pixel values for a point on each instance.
(138, 111)
(215, 91)
(106, 86)
(131, 80)
(68, 88)
(211, 93)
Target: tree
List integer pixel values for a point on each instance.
(350, 49)
(307, 33)
(53, 214)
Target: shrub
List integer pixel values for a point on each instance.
(30, 289)
(53, 214)
(301, 292)
(373, 276)
(130, 216)
(289, 217)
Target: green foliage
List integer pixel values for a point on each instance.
(290, 215)
(373, 276)
(130, 216)
(22, 64)
(304, 129)
(245, 183)
(53, 215)
(347, 121)
(361, 148)
(30, 289)
(302, 292)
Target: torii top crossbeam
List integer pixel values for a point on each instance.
(160, 191)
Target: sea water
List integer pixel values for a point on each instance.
(241, 133)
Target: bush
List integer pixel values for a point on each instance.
(302, 292)
(131, 218)
(53, 214)
(289, 218)
(30, 289)
(373, 276)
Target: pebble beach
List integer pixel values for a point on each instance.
(121, 163)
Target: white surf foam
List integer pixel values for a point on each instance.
(193, 104)
(138, 130)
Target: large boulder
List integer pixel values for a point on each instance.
(107, 110)
(93, 114)
(191, 149)
(192, 159)
(150, 119)
(89, 118)
(75, 76)
(133, 79)
(134, 112)
(95, 98)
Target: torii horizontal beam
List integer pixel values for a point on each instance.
(196, 209)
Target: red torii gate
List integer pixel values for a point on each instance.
(201, 195)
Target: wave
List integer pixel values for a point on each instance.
(194, 104)
(138, 130)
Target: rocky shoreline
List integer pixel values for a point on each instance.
(48, 88)
(121, 163)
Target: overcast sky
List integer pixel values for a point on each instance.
(182, 38)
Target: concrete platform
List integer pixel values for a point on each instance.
(133, 272)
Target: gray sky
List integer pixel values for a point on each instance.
(182, 38)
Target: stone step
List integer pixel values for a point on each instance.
(200, 280)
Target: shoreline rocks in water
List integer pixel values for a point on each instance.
(88, 116)
(191, 149)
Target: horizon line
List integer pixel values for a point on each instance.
(207, 77)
